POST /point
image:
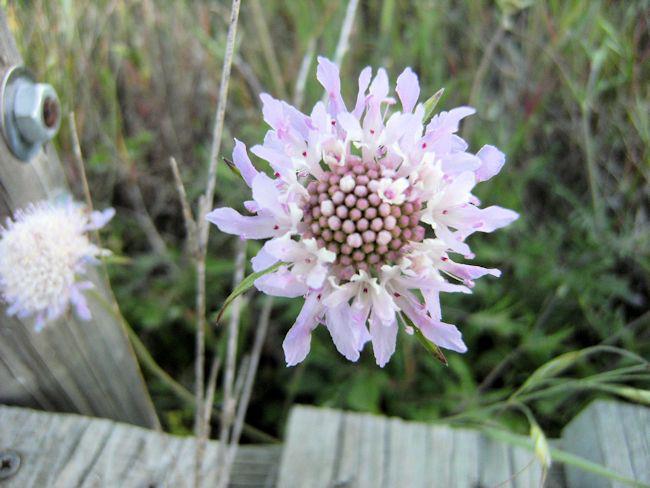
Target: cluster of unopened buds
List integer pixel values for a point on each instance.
(349, 212)
(365, 207)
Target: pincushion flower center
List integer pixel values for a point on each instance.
(362, 217)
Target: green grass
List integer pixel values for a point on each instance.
(560, 86)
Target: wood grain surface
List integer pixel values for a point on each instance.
(74, 366)
(67, 450)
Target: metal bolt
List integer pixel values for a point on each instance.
(29, 111)
(9, 464)
(36, 109)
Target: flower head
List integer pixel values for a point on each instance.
(365, 206)
(44, 252)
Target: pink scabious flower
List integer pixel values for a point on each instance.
(44, 253)
(366, 204)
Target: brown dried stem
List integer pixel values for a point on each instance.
(79, 160)
(190, 224)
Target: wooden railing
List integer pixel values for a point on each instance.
(72, 366)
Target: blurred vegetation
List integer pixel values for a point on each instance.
(560, 86)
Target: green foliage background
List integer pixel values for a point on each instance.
(560, 86)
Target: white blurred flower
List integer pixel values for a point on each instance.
(44, 252)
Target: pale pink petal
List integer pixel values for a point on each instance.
(317, 276)
(453, 239)
(458, 192)
(263, 259)
(384, 338)
(320, 119)
(266, 193)
(379, 86)
(460, 162)
(232, 222)
(432, 297)
(443, 335)
(458, 143)
(339, 325)
(281, 283)
(468, 271)
(472, 219)
(350, 124)
(99, 219)
(432, 303)
(440, 333)
(383, 305)
(339, 295)
(297, 342)
(278, 160)
(364, 81)
(298, 123)
(272, 111)
(328, 75)
(79, 302)
(408, 89)
(285, 249)
(359, 312)
(495, 217)
(398, 124)
(492, 160)
(243, 162)
(449, 121)
(252, 206)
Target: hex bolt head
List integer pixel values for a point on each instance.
(37, 112)
(9, 464)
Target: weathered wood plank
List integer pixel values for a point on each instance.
(66, 450)
(406, 461)
(326, 448)
(465, 459)
(310, 460)
(495, 465)
(614, 434)
(80, 367)
(441, 449)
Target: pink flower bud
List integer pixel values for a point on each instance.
(348, 226)
(342, 211)
(369, 236)
(350, 200)
(383, 237)
(334, 222)
(370, 213)
(362, 224)
(354, 240)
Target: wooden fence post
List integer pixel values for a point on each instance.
(73, 366)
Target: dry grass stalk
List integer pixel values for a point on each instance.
(204, 205)
(190, 224)
(346, 32)
(251, 371)
(229, 397)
